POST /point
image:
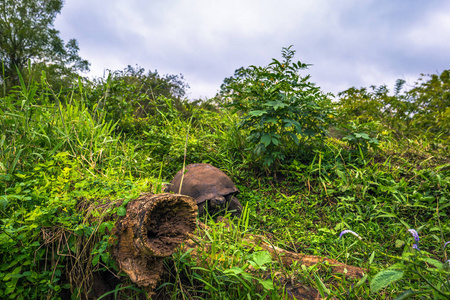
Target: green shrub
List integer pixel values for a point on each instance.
(279, 107)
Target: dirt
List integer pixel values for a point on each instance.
(169, 225)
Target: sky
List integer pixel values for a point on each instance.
(348, 42)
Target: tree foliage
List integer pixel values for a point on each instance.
(432, 104)
(375, 104)
(132, 93)
(27, 34)
(422, 110)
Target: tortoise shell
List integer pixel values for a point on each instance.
(205, 183)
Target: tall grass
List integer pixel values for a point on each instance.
(37, 123)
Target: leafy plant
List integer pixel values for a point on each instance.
(225, 265)
(421, 111)
(415, 265)
(362, 136)
(278, 106)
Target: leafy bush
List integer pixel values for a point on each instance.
(278, 106)
(128, 94)
(421, 111)
(361, 136)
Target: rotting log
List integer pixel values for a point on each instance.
(287, 258)
(154, 226)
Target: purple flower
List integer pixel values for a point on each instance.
(445, 245)
(416, 247)
(447, 262)
(414, 234)
(349, 231)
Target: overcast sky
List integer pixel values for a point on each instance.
(349, 42)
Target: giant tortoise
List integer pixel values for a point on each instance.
(210, 187)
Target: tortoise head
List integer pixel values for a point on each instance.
(214, 204)
(217, 201)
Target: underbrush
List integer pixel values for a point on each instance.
(58, 154)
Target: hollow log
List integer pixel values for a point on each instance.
(154, 226)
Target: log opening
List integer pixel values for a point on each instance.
(154, 226)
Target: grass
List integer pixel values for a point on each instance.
(57, 151)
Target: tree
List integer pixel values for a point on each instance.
(27, 35)
(432, 99)
(424, 110)
(376, 104)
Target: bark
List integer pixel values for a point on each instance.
(154, 226)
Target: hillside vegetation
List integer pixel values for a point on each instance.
(310, 167)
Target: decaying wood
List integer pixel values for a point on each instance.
(287, 258)
(154, 226)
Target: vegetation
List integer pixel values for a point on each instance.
(378, 167)
(27, 36)
(423, 109)
(279, 107)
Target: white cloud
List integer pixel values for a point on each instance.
(431, 34)
(350, 42)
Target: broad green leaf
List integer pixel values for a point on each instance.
(295, 138)
(4, 201)
(275, 141)
(95, 260)
(105, 225)
(260, 258)
(276, 104)
(16, 271)
(434, 262)
(267, 284)
(266, 139)
(257, 113)
(233, 271)
(121, 211)
(384, 278)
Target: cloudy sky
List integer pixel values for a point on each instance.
(349, 42)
